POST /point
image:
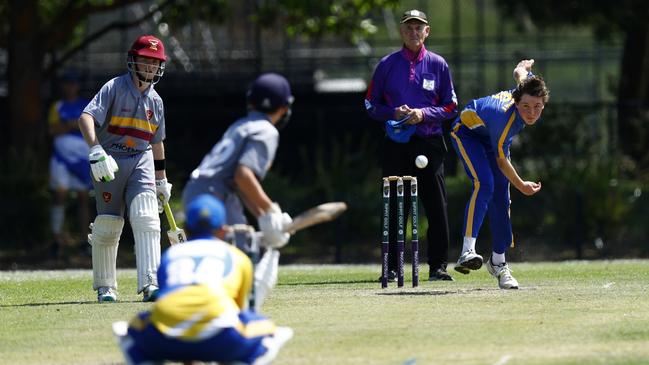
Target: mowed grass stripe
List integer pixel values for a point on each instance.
(565, 313)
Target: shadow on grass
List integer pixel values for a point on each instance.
(434, 292)
(333, 282)
(67, 303)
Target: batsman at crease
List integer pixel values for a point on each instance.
(233, 170)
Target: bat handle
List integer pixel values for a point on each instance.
(170, 217)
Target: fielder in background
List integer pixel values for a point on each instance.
(69, 165)
(233, 169)
(414, 84)
(200, 311)
(481, 136)
(124, 125)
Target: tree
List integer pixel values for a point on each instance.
(32, 29)
(627, 18)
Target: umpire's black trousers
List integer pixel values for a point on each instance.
(399, 159)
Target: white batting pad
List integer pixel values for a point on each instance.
(145, 223)
(104, 240)
(265, 276)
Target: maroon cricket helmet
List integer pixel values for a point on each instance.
(148, 46)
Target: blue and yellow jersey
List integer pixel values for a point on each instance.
(66, 112)
(204, 284)
(494, 117)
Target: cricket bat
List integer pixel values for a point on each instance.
(175, 234)
(316, 215)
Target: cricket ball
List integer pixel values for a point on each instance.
(421, 161)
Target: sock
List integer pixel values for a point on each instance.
(497, 258)
(468, 244)
(56, 218)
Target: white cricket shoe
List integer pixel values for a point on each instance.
(274, 344)
(106, 294)
(504, 275)
(469, 260)
(150, 293)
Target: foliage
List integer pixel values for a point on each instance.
(626, 17)
(586, 195)
(314, 19)
(604, 17)
(25, 198)
(333, 170)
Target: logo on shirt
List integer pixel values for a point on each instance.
(107, 196)
(149, 114)
(124, 147)
(429, 84)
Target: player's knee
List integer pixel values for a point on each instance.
(485, 188)
(143, 213)
(106, 230)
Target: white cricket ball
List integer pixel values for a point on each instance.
(421, 161)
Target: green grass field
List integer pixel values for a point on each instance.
(565, 313)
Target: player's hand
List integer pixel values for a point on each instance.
(102, 165)
(163, 192)
(272, 225)
(522, 70)
(530, 188)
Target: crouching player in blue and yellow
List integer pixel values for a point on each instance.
(200, 312)
(481, 136)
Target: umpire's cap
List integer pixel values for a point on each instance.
(414, 14)
(205, 213)
(269, 92)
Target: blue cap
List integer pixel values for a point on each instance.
(205, 213)
(70, 76)
(269, 92)
(398, 131)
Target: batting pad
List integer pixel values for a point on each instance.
(265, 276)
(145, 223)
(104, 240)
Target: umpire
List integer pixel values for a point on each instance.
(415, 84)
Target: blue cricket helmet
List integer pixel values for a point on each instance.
(269, 92)
(204, 214)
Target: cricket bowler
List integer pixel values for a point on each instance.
(481, 136)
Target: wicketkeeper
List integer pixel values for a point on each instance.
(201, 313)
(124, 125)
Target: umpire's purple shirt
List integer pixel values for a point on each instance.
(421, 81)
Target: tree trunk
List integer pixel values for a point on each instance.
(24, 180)
(27, 132)
(633, 97)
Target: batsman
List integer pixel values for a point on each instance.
(124, 125)
(233, 170)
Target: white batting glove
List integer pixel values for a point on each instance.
(272, 225)
(163, 192)
(102, 165)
